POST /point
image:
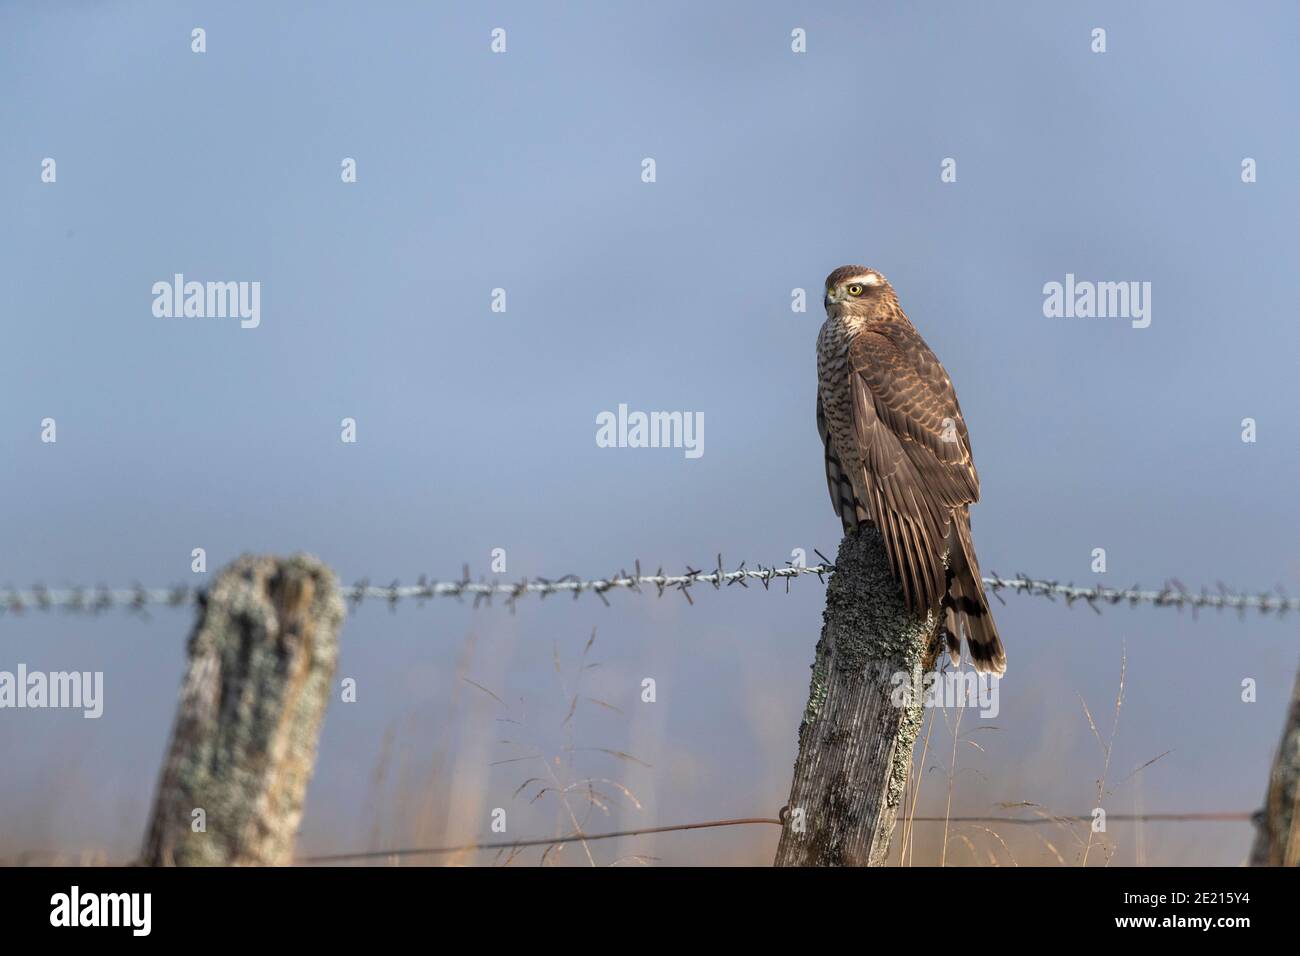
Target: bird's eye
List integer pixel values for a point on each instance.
(855, 289)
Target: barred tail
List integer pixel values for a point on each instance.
(966, 609)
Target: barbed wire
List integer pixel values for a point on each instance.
(94, 600)
(1213, 817)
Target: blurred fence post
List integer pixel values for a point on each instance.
(1277, 835)
(261, 665)
(855, 745)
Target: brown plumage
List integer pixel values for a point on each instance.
(898, 455)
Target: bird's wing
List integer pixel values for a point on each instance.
(915, 453)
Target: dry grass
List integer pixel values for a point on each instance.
(576, 794)
(1062, 840)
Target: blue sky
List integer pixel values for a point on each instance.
(476, 429)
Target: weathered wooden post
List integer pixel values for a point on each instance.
(855, 745)
(1277, 837)
(261, 664)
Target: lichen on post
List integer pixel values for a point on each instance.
(261, 664)
(855, 744)
(1277, 835)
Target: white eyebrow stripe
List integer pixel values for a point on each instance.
(867, 278)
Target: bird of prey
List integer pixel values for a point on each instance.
(898, 456)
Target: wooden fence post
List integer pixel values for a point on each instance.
(1277, 837)
(261, 665)
(855, 745)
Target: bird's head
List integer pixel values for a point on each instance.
(858, 292)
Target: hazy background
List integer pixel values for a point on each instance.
(476, 430)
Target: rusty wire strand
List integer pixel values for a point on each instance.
(93, 600)
(1216, 817)
(1210, 817)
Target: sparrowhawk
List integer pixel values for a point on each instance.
(898, 456)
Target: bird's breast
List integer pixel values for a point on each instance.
(834, 385)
